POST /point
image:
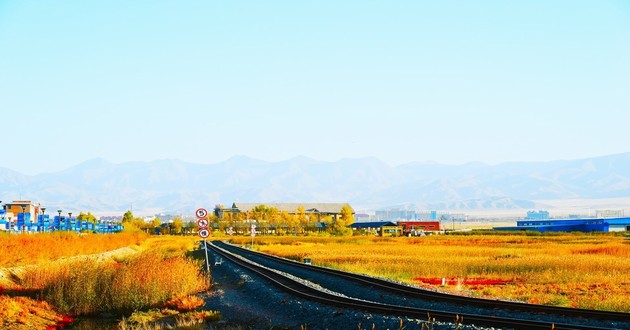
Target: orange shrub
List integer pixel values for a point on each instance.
(185, 303)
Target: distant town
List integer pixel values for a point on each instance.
(296, 218)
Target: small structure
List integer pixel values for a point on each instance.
(381, 228)
(417, 228)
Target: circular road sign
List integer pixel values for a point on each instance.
(203, 233)
(202, 223)
(201, 213)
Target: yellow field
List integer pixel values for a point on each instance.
(573, 270)
(28, 249)
(131, 272)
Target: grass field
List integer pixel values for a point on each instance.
(28, 249)
(573, 270)
(91, 274)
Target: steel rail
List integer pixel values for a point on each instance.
(307, 292)
(445, 297)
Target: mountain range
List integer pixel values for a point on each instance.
(367, 184)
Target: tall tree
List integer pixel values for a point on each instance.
(341, 223)
(302, 220)
(178, 224)
(346, 215)
(127, 217)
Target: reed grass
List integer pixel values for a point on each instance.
(159, 271)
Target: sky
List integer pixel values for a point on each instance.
(403, 81)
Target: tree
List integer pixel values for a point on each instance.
(89, 217)
(191, 227)
(302, 220)
(156, 224)
(178, 224)
(341, 223)
(127, 217)
(347, 216)
(328, 222)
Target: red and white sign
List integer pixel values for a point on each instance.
(201, 213)
(203, 233)
(253, 230)
(202, 223)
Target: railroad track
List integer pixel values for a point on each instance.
(304, 291)
(444, 297)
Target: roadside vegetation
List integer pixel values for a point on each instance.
(88, 274)
(570, 269)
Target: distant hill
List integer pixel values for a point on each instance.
(368, 183)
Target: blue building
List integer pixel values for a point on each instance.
(583, 225)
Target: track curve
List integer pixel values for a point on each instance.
(439, 296)
(299, 289)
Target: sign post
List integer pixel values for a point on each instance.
(203, 232)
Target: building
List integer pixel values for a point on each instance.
(395, 214)
(609, 213)
(415, 228)
(583, 225)
(362, 217)
(24, 210)
(381, 228)
(21, 215)
(537, 215)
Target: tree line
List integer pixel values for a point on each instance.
(268, 221)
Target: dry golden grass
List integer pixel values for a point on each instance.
(28, 249)
(26, 313)
(149, 272)
(573, 270)
(146, 279)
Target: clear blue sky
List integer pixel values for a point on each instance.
(403, 81)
